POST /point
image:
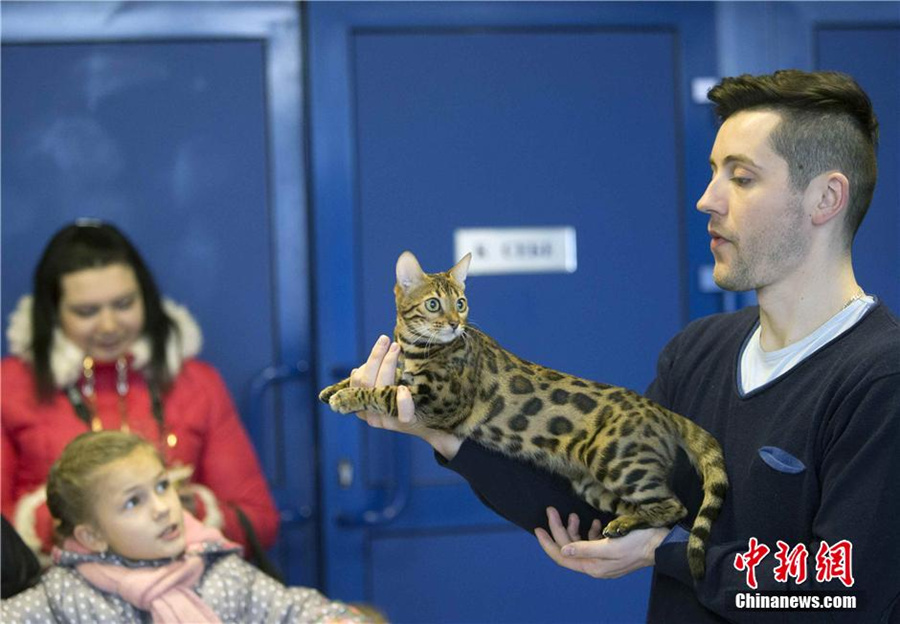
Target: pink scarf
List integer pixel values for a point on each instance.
(165, 591)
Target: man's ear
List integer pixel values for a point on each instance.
(90, 538)
(831, 194)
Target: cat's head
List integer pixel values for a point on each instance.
(431, 307)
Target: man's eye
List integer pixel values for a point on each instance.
(132, 502)
(163, 486)
(84, 312)
(741, 181)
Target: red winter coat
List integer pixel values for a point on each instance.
(198, 410)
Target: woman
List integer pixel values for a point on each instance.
(96, 347)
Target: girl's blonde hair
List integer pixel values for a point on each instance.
(69, 496)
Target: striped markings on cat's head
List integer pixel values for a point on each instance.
(431, 307)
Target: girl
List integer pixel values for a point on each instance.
(131, 553)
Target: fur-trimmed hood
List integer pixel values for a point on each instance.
(66, 358)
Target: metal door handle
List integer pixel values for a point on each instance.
(271, 375)
(397, 497)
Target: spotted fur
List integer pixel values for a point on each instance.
(616, 446)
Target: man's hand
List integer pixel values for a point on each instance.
(606, 558)
(380, 370)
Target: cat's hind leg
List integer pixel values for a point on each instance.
(632, 515)
(594, 494)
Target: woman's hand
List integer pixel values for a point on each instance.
(380, 370)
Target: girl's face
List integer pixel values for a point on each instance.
(102, 310)
(137, 512)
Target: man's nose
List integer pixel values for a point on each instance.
(711, 200)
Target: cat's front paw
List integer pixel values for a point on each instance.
(345, 401)
(326, 394)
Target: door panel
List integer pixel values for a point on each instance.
(876, 251)
(427, 120)
(170, 121)
(441, 145)
(484, 581)
(146, 135)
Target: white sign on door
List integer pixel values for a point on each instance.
(498, 251)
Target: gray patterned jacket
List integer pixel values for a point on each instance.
(233, 588)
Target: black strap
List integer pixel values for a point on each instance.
(77, 402)
(157, 407)
(257, 555)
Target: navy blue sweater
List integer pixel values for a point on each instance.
(812, 456)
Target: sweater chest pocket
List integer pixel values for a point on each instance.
(777, 477)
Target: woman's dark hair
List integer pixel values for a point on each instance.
(91, 244)
(827, 122)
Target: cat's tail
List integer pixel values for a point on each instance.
(706, 455)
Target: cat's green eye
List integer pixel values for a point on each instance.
(461, 305)
(433, 304)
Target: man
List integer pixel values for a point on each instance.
(802, 392)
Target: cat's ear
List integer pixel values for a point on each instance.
(409, 273)
(461, 269)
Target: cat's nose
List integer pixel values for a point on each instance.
(453, 325)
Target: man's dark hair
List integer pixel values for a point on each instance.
(827, 123)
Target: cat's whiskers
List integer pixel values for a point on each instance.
(417, 335)
(429, 338)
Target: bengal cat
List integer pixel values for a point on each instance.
(616, 446)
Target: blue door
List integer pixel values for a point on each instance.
(192, 146)
(429, 118)
(851, 48)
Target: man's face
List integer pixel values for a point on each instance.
(756, 220)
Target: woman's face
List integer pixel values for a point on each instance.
(102, 310)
